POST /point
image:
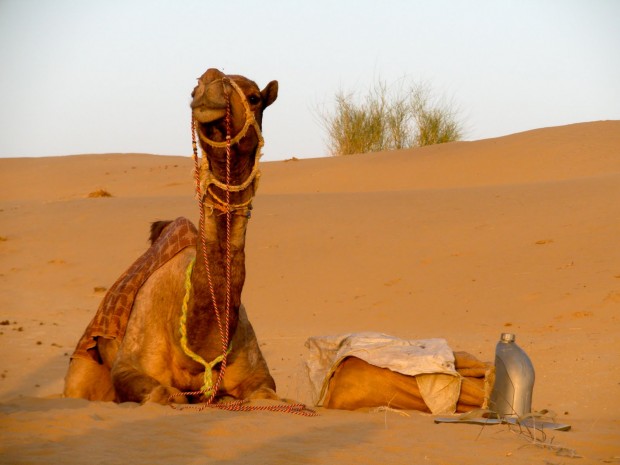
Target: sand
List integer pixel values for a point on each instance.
(462, 241)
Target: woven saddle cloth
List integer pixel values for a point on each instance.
(111, 319)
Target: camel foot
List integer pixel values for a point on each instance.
(264, 393)
(166, 395)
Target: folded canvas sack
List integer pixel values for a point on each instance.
(361, 370)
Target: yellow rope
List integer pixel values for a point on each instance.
(208, 376)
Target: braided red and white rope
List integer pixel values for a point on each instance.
(239, 405)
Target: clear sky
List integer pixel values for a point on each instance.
(94, 76)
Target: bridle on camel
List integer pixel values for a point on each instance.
(205, 178)
(204, 172)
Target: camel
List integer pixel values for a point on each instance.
(188, 337)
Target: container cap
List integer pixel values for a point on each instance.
(507, 337)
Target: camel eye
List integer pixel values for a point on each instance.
(253, 99)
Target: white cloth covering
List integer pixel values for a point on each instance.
(431, 360)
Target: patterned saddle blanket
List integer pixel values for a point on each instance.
(111, 319)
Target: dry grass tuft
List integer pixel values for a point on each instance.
(99, 193)
(389, 118)
(539, 438)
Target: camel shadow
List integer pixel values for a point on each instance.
(319, 443)
(77, 431)
(42, 378)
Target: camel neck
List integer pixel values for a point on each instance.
(203, 329)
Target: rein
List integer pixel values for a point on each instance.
(203, 172)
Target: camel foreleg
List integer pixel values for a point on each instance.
(133, 385)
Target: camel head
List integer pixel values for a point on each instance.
(212, 92)
(212, 96)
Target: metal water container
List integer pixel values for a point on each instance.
(514, 379)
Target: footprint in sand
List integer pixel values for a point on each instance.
(544, 241)
(575, 315)
(612, 298)
(392, 282)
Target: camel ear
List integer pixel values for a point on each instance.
(270, 93)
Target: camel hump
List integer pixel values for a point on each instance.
(156, 228)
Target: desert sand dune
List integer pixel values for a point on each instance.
(461, 241)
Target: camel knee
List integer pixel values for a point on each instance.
(132, 385)
(88, 380)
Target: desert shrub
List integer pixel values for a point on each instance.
(99, 193)
(387, 118)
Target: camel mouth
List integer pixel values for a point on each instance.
(209, 101)
(205, 115)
